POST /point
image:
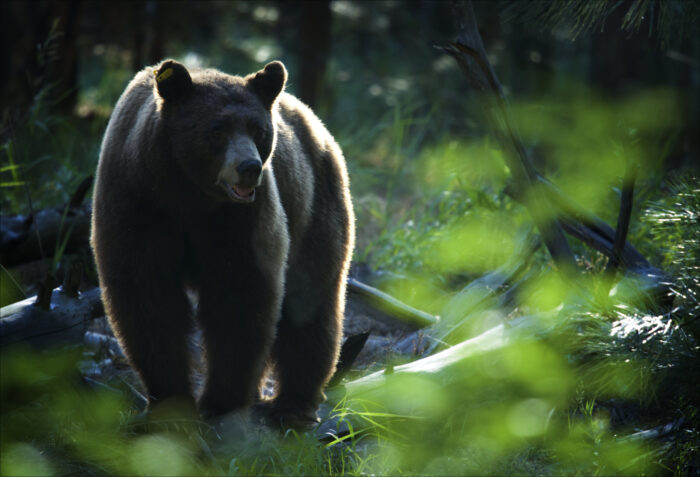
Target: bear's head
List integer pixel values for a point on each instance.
(220, 127)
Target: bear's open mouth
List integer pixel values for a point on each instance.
(243, 192)
(239, 193)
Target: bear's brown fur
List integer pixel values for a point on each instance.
(230, 187)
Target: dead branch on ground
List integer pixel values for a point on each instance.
(22, 236)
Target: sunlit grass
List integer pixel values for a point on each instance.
(522, 400)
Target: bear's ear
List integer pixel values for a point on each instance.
(173, 81)
(269, 82)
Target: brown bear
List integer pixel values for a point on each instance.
(234, 189)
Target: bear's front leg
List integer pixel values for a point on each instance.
(238, 319)
(147, 307)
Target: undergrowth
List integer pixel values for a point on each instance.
(45, 155)
(581, 388)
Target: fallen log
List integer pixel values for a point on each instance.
(21, 240)
(38, 236)
(441, 366)
(468, 310)
(60, 315)
(27, 238)
(379, 390)
(386, 303)
(65, 321)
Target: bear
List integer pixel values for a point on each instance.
(231, 189)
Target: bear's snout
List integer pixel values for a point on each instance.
(249, 172)
(242, 170)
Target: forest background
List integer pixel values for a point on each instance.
(606, 98)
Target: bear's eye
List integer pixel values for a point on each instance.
(257, 130)
(220, 127)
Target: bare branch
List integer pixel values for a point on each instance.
(471, 56)
(528, 186)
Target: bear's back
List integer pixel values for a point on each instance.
(309, 167)
(131, 131)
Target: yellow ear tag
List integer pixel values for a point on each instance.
(164, 75)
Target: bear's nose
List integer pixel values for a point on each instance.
(249, 172)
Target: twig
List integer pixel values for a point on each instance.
(29, 201)
(348, 354)
(74, 274)
(79, 194)
(45, 292)
(623, 218)
(12, 279)
(591, 229)
(138, 398)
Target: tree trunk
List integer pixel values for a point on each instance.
(315, 40)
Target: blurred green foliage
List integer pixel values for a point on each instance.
(429, 192)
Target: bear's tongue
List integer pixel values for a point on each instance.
(243, 191)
